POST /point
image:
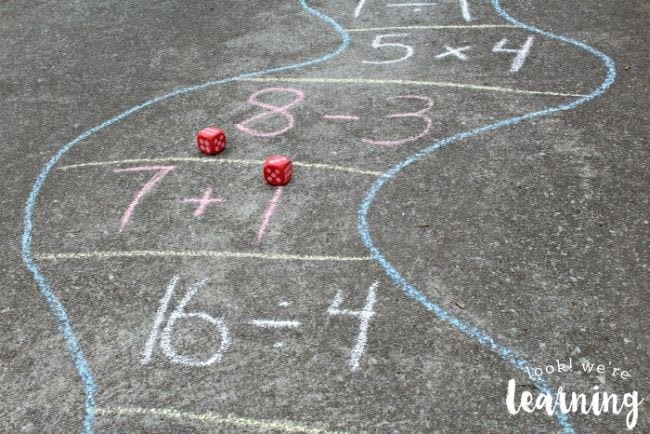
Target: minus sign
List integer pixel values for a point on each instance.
(268, 323)
(341, 117)
(415, 5)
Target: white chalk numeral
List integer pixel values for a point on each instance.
(377, 43)
(364, 316)
(464, 8)
(166, 336)
(520, 53)
(357, 10)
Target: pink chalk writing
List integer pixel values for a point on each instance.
(341, 117)
(420, 114)
(203, 202)
(299, 95)
(269, 213)
(162, 171)
(272, 110)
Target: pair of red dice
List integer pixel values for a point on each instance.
(277, 169)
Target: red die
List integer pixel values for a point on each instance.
(211, 140)
(278, 170)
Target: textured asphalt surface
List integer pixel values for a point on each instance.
(535, 234)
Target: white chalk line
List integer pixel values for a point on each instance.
(218, 161)
(409, 5)
(193, 254)
(465, 10)
(212, 418)
(270, 323)
(160, 314)
(448, 27)
(369, 81)
(364, 316)
(357, 10)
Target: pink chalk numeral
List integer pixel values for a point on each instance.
(266, 219)
(420, 114)
(162, 171)
(272, 110)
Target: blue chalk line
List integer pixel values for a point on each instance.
(409, 289)
(59, 311)
(57, 308)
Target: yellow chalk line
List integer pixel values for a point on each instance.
(218, 161)
(192, 254)
(457, 27)
(369, 81)
(262, 425)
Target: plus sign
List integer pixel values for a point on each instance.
(203, 202)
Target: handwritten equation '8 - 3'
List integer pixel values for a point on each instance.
(423, 104)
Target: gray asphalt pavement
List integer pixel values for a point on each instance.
(364, 296)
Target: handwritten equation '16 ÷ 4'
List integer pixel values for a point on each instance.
(164, 328)
(423, 105)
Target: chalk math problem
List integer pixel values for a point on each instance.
(235, 282)
(165, 341)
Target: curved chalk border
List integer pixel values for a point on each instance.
(57, 308)
(409, 289)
